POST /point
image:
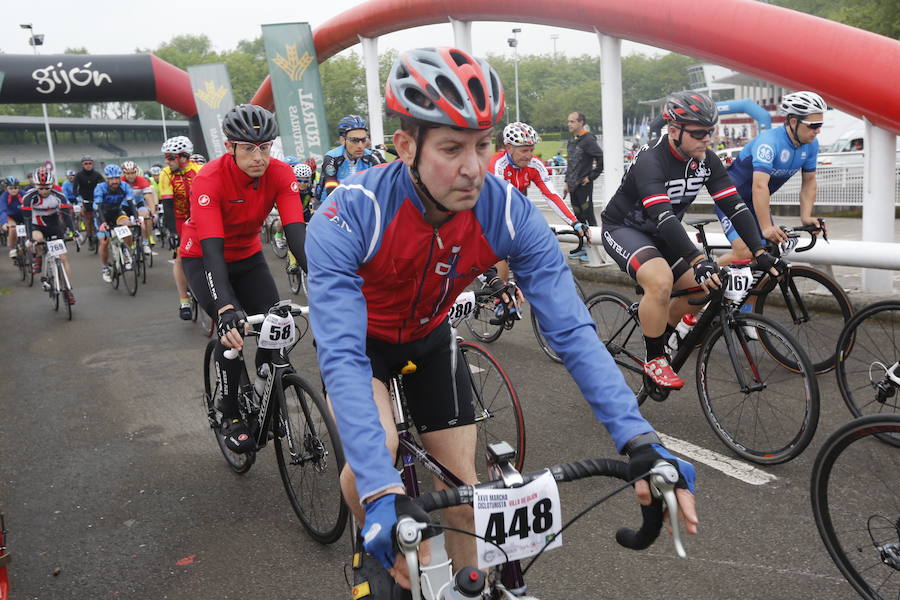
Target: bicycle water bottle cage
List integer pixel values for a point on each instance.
(409, 368)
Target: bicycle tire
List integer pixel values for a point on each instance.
(775, 432)
(29, 263)
(279, 252)
(498, 412)
(54, 286)
(239, 463)
(311, 446)
(479, 324)
(129, 275)
(867, 347)
(844, 496)
(619, 330)
(542, 342)
(819, 334)
(20, 262)
(149, 257)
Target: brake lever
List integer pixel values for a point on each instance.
(824, 230)
(663, 477)
(409, 536)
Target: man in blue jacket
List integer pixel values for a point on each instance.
(351, 156)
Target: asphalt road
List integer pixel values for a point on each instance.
(113, 487)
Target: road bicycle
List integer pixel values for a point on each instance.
(297, 280)
(199, 316)
(498, 413)
(868, 365)
(279, 243)
(168, 239)
(24, 258)
(809, 303)
(855, 495)
(54, 278)
(286, 409)
(756, 384)
(122, 266)
(523, 518)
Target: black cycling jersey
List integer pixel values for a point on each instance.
(660, 185)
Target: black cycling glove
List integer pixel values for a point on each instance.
(765, 262)
(228, 320)
(642, 457)
(704, 269)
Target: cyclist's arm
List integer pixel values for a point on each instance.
(542, 181)
(99, 190)
(808, 187)
(25, 207)
(547, 283)
(761, 198)
(329, 176)
(593, 150)
(726, 197)
(290, 211)
(335, 250)
(211, 233)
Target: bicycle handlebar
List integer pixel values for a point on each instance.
(283, 308)
(580, 237)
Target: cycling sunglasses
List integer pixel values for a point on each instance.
(813, 124)
(699, 134)
(303, 181)
(357, 140)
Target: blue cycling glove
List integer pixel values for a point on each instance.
(644, 457)
(382, 515)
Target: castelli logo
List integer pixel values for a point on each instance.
(295, 187)
(693, 165)
(203, 200)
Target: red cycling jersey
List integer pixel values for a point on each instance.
(227, 203)
(535, 173)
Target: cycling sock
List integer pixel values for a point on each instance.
(656, 346)
(185, 301)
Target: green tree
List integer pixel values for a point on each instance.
(343, 88)
(877, 16)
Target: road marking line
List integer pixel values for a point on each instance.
(730, 466)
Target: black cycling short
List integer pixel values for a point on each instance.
(109, 213)
(250, 279)
(439, 393)
(52, 227)
(18, 218)
(631, 248)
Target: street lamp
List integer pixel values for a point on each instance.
(554, 37)
(514, 44)
(35, 40)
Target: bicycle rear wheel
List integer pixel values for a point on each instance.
(542, 342)
(20, 262)
(479, 323)
(820, 309)
(774, 416)
(498, 413)
(867, 351)
(620, 332)
(855, 494)
(239, 463)
(29, 262)
(310, 459)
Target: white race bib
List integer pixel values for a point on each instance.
(123, 231)
(56, 247)
(20, 231)
(739, 283)
(77, 208)
(277, 332)
(462, 308)
(520, 520)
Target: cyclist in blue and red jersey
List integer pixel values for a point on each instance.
(113, 200)
(388, 252)
(773, 157)
(11, 212)
(220, 248)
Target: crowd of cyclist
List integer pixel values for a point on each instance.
(389, 248)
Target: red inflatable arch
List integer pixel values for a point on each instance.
(852, 68)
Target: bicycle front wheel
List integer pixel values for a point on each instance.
(765, 412)
(542, 341)
(867, 353)
(129, 275)
(310, 459)
(498, 413)
(620, 332)
(813, 308)
(239, 463)
(855, 494)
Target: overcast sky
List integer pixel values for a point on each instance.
(96, 26)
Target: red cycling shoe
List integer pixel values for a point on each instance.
(660, 372)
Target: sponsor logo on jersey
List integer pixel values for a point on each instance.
(765, 153)
(295, 187)
(785, 155)
(203, 200)
(803, 154)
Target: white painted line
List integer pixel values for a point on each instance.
(730, 466)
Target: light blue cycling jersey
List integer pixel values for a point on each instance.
(772, 153)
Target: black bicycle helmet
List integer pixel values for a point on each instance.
(249, 123)
(691, 107)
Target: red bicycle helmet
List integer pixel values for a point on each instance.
(312, 164)
(43, 176)
(445, 86)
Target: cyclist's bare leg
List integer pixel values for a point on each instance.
(180, 278)
(38, 238)
(11, 238)
(739, 251)
(656, 277)
(386, 416)
(455, 449)
(104, 250)
(679, 307)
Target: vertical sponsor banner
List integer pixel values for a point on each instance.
(296, 89)
(212, 91)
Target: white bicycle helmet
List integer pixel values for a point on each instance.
(129, 165)
(520, 134)
(803, 104)
(302, 171)
(177, 145)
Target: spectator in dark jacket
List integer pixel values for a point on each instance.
(584, 166)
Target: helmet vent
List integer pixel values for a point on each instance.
(477, 92)
(460, 59)
(449, 91)
(416, 97)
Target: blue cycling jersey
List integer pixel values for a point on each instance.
(68, 188)
(105, 196)
(772, 153)
(378, 269)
